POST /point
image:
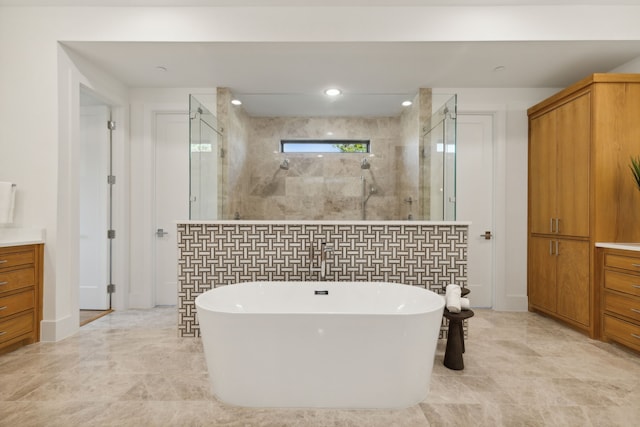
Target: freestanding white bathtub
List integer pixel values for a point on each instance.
(320, 344)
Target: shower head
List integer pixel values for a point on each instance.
(364, 164)
(285, 164)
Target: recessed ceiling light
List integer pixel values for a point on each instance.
(406, 103)
(332, 92)
(236, 102)
(161, 68)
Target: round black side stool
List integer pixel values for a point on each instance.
(455, 339)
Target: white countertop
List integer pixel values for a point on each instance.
(623, 246)
(18, 236)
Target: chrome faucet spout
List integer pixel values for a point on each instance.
(323, 259)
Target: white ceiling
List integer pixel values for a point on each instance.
(375, 76)
(375, 72)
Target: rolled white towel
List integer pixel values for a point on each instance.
(464, 304)
(452, 297)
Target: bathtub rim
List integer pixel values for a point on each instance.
(436, 301)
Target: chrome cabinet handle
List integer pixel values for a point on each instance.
(551, 224)
(633, 286)
(635, 310)
(635, 265)
(557, 225)
(3, 308)
(550, 247)
(3, 283)
(636, 336)
(2, 333)
(2, 261)
(557, 248)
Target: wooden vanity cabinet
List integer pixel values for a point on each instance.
(20, 295)
(580, 192)
(560, 271)
(621, 297)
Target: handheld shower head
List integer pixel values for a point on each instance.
(285, 164)
(364, 164)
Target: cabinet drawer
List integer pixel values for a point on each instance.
(16, 303)
(13, 259)
(16, 279)
(15, 327)
(623, 332)
(627, 283)
(624, 262)
(623, 305)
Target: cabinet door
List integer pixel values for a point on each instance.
(542, 273)
(573, 136)
(542, 172)
(572, 281)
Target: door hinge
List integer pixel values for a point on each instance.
(111, 179)
(111, 125)
(111, 234)
(111, 288)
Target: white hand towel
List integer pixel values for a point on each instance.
(453, 298)
(464, 304)
(7, 201)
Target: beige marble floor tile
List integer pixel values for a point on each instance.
(460, 414)
(131, 369)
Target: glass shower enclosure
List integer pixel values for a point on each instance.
(205, 195)
(438, 163)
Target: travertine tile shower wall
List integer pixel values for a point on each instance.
(218, 254)
(326, 187)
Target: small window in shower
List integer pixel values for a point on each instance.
(324, 146)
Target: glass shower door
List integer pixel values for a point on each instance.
(204, 167)
(438, 164)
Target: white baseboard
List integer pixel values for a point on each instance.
(513, 303)
(57, 330)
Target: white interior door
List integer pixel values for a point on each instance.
(171, 199)
(94, 207)
(474, 201)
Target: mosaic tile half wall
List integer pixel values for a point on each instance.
(430, 255)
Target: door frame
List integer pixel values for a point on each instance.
(153, 224)
(142, 199)
(120, 259)
(102, 172)
(482, 287)
(499, 227)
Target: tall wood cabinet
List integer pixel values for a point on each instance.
(580, 191)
